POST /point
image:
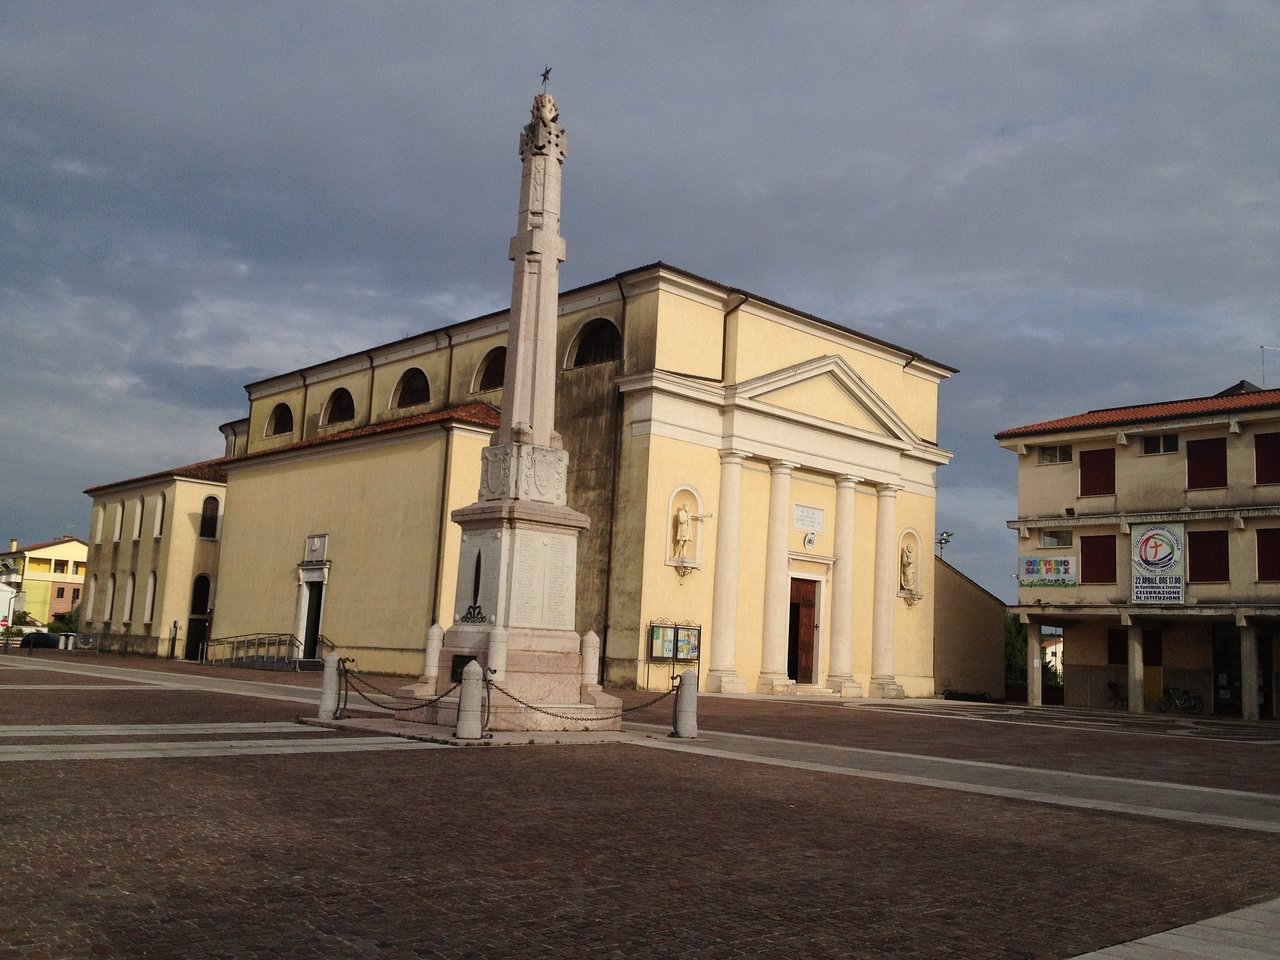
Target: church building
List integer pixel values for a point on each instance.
(760, 484)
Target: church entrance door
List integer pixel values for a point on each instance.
(801, 637)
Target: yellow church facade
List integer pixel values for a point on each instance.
(760, 483)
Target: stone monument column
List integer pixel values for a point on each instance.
(886, 591)
(777, 583)
(840, 675)
(722, 676)
(517, 567)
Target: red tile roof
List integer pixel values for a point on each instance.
(210, 470)
(481, 414)
(1144, 413)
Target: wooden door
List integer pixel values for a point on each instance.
(804, 596)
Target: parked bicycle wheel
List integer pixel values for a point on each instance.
(1166, 701)
(1197, 703)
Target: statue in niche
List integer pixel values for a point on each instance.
(908, 568)
(684, 520)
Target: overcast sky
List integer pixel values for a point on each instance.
(1076, 204)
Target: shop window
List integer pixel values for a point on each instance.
(339, 408)
(1160, 443)
(1207, 463)
(1056, 538)
(413, 389)
(1269, 553)
(1098, 559)
(1208, 556)
(1058, 454)
(1266, 457)
(1097, 472)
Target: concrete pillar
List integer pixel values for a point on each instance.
(1035, 676)
(1136, 692)
(687, 706)
(1249, 673)
(885, 593)
(777, 582)
(722, 676)
(470, 702)
(497, 661)
(590, 659)
(840, 671)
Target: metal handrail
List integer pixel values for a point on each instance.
(258, 646)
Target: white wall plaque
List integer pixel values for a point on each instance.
(808, 518)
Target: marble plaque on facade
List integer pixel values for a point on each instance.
(544, 567)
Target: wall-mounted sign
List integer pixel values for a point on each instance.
(807, 518)
(1159, 563)
(1047, 571)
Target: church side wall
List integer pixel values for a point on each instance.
(379, 505)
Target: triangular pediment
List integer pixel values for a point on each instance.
(827, 389)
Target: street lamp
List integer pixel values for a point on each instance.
(942, 540)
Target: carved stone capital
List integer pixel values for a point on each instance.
(545, 138)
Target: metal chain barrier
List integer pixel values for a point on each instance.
(580, 719)
(350, 677)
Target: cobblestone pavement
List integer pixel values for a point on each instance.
(608, 850)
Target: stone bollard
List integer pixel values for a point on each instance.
(497, 658)
(590, 659)
(431, 660)
(329, 689)
(687, 706)
(470, 699)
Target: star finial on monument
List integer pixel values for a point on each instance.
(546, 75)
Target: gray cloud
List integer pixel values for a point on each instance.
(1075, 203)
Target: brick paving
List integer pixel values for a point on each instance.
(1147, 747)
(607, 850)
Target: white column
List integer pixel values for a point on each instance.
(840, 674)
(723, 674)
(1137, 694)
(886, 592)
(777, 583)
(1249, 673)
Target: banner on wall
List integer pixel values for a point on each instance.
(1046, 571)
(1159, 563)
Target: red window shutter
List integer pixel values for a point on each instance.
(1207, 463)
(1269, 553)
(1208, 556)
(1098, 559)
(1097, 472)
(1266, 457)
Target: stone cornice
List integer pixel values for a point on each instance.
(1114, 519)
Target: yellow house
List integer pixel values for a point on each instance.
(153, 560)
(760, 481)
(46, 578)
(1150, 536)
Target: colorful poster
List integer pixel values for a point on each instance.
(1159, 563)
(1046, 571)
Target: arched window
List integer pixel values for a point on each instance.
(209, 518)
(149, 609)
(412, 390)
(119, 528)
(200, 591)
(280, 421)
(99, 518)
(339, 408)
(111, 598)
(492, 371)
(162, 501)
(89, 598)
(128, 599)
(598, 342)
(137, 518)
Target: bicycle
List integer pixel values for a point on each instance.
(1119, 694)
(1184, 700)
